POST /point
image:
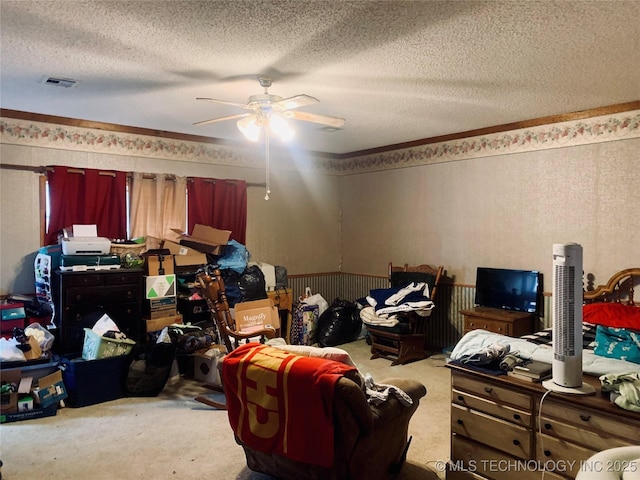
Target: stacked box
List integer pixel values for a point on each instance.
(39, 391)
(161, 296)
(159, 262)
(157, 324)
(13, 315)
(161, 307)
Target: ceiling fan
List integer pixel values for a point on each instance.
(269, 110)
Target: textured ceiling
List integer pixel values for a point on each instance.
(397, 71)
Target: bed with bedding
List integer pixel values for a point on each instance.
(611, 331)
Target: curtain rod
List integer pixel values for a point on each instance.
(150, 176)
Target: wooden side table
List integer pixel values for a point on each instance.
(505, 322)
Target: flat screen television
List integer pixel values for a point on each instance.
(519, 290)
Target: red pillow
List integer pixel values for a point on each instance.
(612, 315)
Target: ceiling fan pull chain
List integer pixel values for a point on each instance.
(266, 141)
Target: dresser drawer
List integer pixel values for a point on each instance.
(496, 433)
(82, 280)
(590, 419)
(122, 278)
(472, 460)
(562, 456)
(496, 326)
(496, 393)
(510, 414)
(581, 436)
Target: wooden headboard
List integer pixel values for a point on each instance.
(619, 289)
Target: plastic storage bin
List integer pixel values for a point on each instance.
(94, 381)
(96, 347)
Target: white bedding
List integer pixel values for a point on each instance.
(592, 364)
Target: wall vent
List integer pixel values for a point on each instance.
(59, 82)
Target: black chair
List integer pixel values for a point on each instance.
(405, 342)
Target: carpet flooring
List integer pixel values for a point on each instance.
(172, 436)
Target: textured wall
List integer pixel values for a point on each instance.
(498, 200)
(501, 211)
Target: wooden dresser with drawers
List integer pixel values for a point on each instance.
(504, 428)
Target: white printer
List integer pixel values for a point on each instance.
(86, 246)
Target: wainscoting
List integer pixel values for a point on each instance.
(446, 324)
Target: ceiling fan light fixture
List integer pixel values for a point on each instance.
(249, 127)
(280, 127)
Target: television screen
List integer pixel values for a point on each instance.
(519, 290)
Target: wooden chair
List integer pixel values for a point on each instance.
(212, 288)
(405, 342)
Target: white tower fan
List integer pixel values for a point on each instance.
(567, 321)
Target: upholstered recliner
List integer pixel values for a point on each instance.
(369, 441)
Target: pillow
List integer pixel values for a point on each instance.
(330, 353)
(619, 343)
(612, 315)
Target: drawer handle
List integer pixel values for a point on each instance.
(459, 422)
(516, 416)
(460, 398)
(516, 442)
(488, 389)
(547, 453)
(585, 418)
(547, 426)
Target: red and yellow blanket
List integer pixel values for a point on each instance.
(282, 403)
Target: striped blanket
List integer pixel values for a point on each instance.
(544, 337)
(282, 403)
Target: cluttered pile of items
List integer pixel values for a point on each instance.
(121, 318)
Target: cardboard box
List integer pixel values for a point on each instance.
(25, 404)
(184, 258)
(12, 311)
(157, 324)
(161, 307)
(9, 401)
(205, 239)
(160, 286)
(49, 411)
(35, 351)
(159, 263)
(50, 390)
(256, 314)
(205, 365)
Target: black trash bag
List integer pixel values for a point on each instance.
(252, 284)
(150, 369)
(231, 280)
(339, 324)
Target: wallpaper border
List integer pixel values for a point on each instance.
(605, 128)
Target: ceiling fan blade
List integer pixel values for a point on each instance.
(295, 102)
(221, 119)
(224, 102)
(334, 122)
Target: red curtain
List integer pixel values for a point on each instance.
(86, 196)
(219, 204)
